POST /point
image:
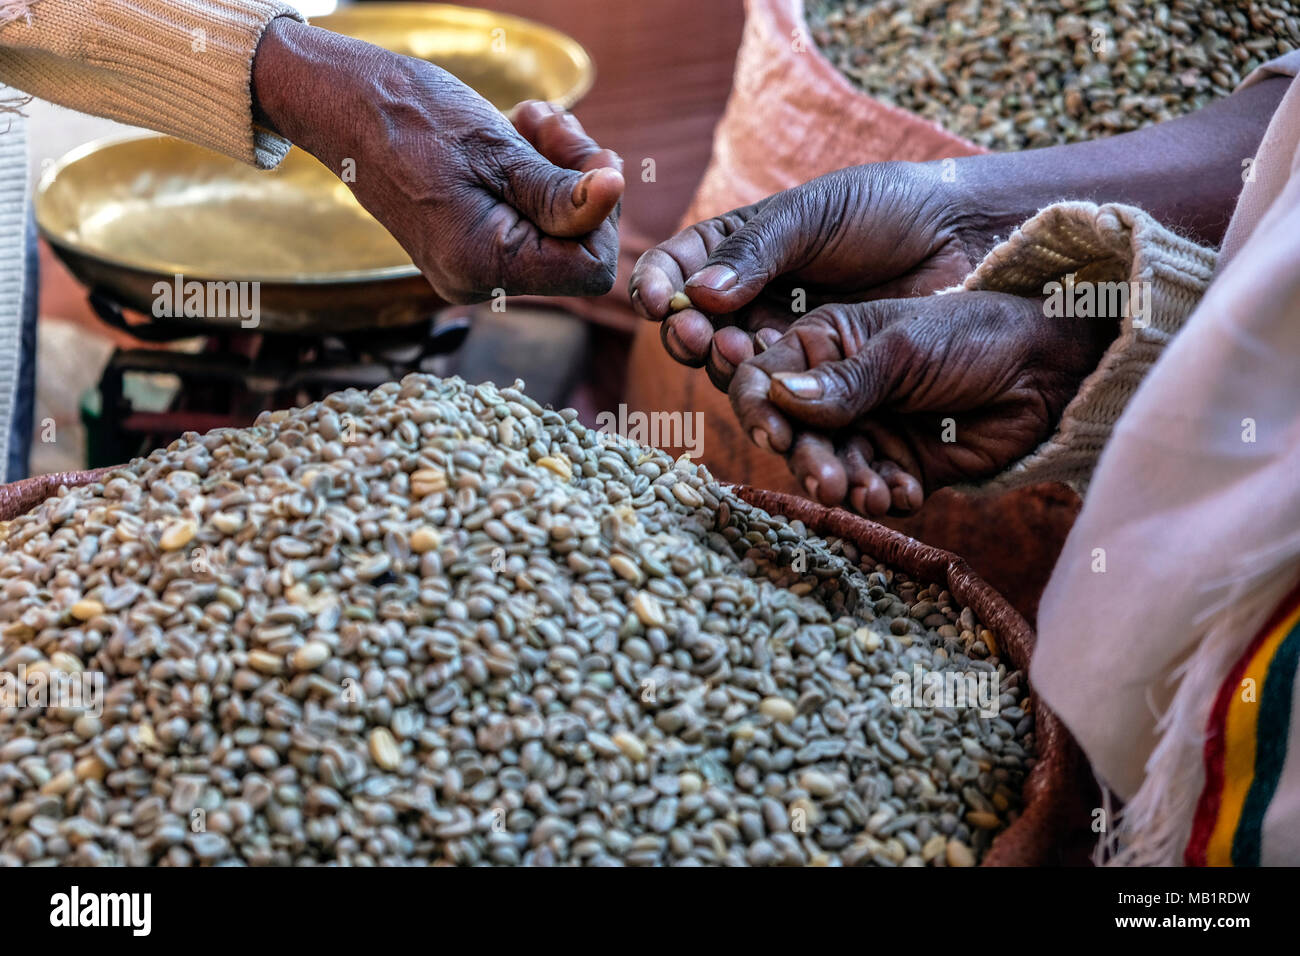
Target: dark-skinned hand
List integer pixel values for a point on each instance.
(479, 203)
(862, 399)
(889, 230)
(879, 231)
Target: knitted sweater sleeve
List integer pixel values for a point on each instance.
(182, 67)
(1073, 250)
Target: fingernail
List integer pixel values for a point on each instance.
(580, 188)
(638, 305)
(759, 438)
(800, 384)
(673, 342)
(759, 344)
(858, 498)
(915, 498)
(717, 278)
(811, 485)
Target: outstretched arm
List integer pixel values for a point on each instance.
(1186, 173)
(181, 67)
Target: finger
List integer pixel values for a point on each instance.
(868, 493)
(527, 117)
(561, 139)
(820, 345)
(888, 444)
(818, 469)
(731, 347)
(870, 498)
(769, 244)
(904, 489)
(557, 134)
(832, 394)
(764, 338)
(762, 420)
(661, 272)
(655, 279)
(686, 337)
(510, 255)
(827, 334)
(561, 202)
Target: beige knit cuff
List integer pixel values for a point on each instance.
(1080, 246)
(182, 67)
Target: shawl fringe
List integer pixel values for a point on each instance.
(1155, 826)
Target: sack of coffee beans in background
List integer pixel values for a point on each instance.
(1010, 75)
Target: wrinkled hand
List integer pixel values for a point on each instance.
(875, 405)
(867, 232)
(478, 203)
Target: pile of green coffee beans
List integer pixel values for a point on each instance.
(1011, 75)
(437, 624)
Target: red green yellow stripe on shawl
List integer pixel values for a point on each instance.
(1246, 744)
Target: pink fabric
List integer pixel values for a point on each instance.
(1274, 163)
(793, 116)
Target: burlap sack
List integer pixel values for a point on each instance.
(791, 117)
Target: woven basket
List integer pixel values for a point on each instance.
(1051, 828)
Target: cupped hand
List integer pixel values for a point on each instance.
(877, 404)
(482, 206)
(866, 232)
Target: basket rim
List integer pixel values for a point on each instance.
(1046, 819)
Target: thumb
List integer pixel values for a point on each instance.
(743, 263)
(561, 202)
(835, 394)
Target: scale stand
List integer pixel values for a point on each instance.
(236, 374)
